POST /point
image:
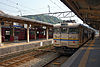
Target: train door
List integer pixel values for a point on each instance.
(7, 34)
(80, 35)
(56, 36)
(73, 37)
(64, 36)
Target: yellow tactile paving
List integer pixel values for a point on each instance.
(85, 56)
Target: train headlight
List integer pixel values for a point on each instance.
(55, 41)
(73, 41)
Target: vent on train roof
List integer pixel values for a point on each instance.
(69, 21)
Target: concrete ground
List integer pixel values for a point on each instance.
(86, 56)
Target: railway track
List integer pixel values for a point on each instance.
(57, 61)
(18, 60)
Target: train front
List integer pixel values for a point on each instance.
(66, 37)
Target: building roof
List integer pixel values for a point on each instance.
(10, 18)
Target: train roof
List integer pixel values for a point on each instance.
(72, 25)
(67, 25)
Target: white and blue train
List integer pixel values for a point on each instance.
(68, 37)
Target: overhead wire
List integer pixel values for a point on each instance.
(60, 3)
(8, 5)
(56, 5)
(6, 9)
(72, 14)
(25, 7)
(19, 10)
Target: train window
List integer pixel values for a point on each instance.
(63, 30)
(73, 30)
(57, 30)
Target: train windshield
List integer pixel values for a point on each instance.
(57, 30)
(73, 30)
(63, 30)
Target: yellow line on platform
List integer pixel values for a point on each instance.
(84, 59)
(85, 56)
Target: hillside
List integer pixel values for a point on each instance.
(44, 18)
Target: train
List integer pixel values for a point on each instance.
(68, 37)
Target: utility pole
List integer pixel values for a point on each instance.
(20, 12)
(19, 9)
(49, 8)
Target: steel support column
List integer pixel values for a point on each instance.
(47, 33)
(0, 35)
(35, 33)
(28, 33)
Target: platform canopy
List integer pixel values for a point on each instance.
(22, 20)
(87, 10)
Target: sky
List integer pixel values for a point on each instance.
(33, 7)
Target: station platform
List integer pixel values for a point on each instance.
(14, 47)
(86, 56)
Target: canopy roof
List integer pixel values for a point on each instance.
(87, 10)
(18, 19)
